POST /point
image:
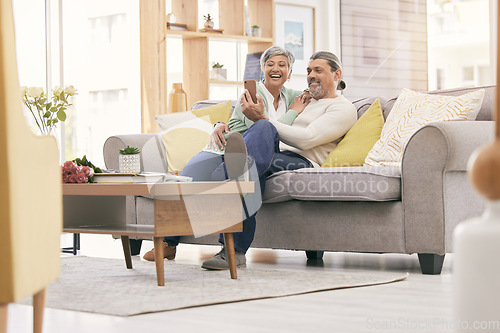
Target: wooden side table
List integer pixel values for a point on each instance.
(193, 208)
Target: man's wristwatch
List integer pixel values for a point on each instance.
(219, 122)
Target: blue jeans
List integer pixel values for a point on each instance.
(262, 141)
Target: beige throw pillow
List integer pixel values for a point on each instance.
(414, 110)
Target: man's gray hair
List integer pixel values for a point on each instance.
(333, 61)
(274, 51)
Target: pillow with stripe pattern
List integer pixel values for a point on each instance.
(414, 110)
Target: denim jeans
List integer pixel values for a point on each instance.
(265, 158)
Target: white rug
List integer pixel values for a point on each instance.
(105, 285)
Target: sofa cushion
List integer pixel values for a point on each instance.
(210, 111)
(184, 140)
(487, 107)
(277, 187)
(359, 140)
(365, 183)
(411, 112)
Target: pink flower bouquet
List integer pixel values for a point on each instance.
(72, 173)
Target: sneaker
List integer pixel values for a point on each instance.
(219, 261)
(168, 252)
(235, 157)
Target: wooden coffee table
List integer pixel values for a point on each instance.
(180, 209)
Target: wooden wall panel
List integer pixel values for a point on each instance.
(384, 46)
(153, 63)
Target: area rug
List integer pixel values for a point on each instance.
(105, 286)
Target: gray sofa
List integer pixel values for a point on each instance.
(412, 209)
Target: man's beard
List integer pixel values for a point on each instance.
(318, 92)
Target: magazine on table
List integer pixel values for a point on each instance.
(143, 177)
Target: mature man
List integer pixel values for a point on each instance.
(306, 138)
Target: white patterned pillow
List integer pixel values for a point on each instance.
(414, 110)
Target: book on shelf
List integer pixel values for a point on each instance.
(212, 30)
(144, 177)
(177, 26)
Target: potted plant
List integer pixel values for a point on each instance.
(130, 160)
(218, 73)
(209, 24)
(256, 31)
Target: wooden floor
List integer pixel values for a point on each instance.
(422, 303)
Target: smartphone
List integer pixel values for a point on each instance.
(251, 86)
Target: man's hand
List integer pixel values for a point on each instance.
(299, 104)
(251, 110)
(217, 140)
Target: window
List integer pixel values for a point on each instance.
(101, 59)
(459, 43)
(29, 22)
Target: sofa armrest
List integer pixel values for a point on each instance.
(434, 164)
(460, 140)
(152, 151)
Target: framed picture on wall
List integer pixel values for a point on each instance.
(295, 32)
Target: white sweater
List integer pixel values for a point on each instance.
(318, 129)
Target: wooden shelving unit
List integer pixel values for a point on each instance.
(195, 48)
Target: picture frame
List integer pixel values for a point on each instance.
(295, 31)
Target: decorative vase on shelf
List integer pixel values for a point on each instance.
(256, 31)
(476, 269)
(209, 24)
(177, 99)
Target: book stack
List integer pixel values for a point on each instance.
(212, 30)
(145, 177)
(177, 26)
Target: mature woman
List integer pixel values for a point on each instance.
(276, 64)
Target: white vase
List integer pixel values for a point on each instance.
(256, 32)
(476, 272)
(209, 24)
(219, 74)
(130, 163)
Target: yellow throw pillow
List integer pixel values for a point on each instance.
(359, 140)
(188, 138)
(212, 114)
(220, 112)
(414, 110)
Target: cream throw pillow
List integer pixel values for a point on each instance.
(414, 110)
(185, 139)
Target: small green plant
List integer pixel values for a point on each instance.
(217, 65)
(129, 151)
(255, 26)
(207, 17)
